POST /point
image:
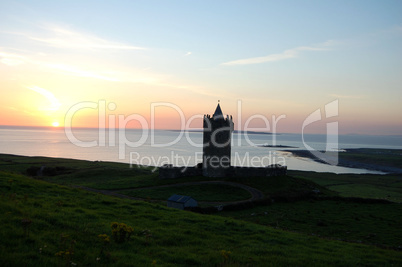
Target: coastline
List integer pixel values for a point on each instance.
(344, 160)
(358, 160)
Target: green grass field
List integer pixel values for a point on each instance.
(69, 220)
(377, 224)
(202, 192)
(46, 223)
(357, 185)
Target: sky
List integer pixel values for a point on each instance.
(163, 64)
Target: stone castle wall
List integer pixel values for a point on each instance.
(272, 170)
(169, 171)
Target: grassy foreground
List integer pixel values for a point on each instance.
(369, 223)
(46, 224)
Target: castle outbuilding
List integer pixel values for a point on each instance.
(181, 202)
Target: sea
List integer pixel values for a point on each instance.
(142, 147)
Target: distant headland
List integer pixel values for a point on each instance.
(278, 146)
(377, 159)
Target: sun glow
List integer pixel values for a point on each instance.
(56, 124)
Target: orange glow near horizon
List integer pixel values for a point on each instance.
(169, 119)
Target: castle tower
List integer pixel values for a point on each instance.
(217, 144)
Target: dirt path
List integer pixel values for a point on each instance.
(255, 193)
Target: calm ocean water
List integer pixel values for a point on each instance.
(159, 147)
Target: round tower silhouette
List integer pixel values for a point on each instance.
(217, 144)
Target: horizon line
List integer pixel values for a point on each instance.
(2, 126)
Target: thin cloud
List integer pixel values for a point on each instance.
(71, 70)
(290, 53)
(347, 96)
(62, 37)
(15, 59)
(85, 70)
(11, 59)
(188, 54)
(49, 95)
(19, 110)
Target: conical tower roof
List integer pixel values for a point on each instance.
(218, 112)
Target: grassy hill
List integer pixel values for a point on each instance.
(358, 185)
(47, 224)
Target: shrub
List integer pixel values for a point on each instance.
(121, 232)
(33, 170)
